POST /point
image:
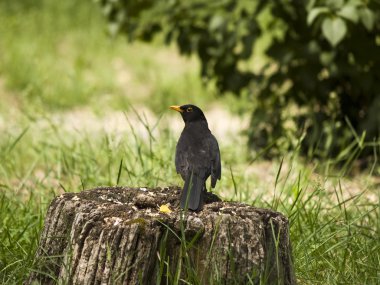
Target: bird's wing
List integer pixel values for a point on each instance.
(178, 160)
(182, 158)
(216, 167)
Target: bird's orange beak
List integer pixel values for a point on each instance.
(176, 108)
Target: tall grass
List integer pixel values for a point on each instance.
(335, 239)
(58, 55)
(335, 236)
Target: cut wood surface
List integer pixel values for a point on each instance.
(118, 235)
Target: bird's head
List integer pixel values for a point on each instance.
(189, 113)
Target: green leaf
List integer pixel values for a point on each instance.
(216, 23)
(367, 17)
(354, 2)
(327, 58)
(310, 4)
(349, 12)
(314, 13)
(334, 4)
(334, 30)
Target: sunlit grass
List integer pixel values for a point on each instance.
(333, 237)
(59, 56)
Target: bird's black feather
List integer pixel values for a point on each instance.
(197, 157)
(192, 193)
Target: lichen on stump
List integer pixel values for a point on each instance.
(116, 235)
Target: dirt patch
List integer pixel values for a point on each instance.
(9, 104)
(263, 175)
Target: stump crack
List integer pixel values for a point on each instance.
(134, 255)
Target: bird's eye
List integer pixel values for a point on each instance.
(189, 109)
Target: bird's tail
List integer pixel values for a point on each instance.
(192, 193)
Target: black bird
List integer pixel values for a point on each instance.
(197, 156)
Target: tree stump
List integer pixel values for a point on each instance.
(116, 235)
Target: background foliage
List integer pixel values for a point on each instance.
(321, 77)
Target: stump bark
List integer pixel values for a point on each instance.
(115, 235)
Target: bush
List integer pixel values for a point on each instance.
(323, 67)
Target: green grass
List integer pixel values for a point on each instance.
(59, 63)
(333, 238)
(60, 57)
